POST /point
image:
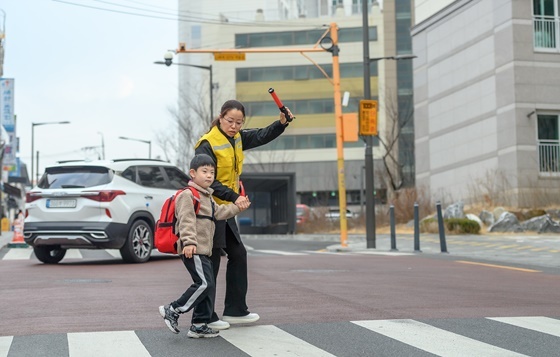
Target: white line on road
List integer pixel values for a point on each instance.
(73, 254)
(107, 343)
(18, 254)
(268, 340)
(114, 253)
(279, 252)
(5, 343)
(433, 339)
(535, 323)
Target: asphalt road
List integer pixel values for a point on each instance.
(312, 301)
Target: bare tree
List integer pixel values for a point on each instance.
(397, 150)
(190, 120)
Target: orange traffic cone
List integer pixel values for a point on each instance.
(17, 239)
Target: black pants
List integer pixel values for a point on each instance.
(201, 294)
(236, 277)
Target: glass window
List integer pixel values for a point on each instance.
(177, 178)
(242, 75)
(130, 174)
(75, 177)
(151, 176)
(548, 127)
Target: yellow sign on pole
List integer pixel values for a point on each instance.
(368, 117)
(224, 56)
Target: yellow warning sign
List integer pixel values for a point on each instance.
(368, 117)
(226, 56)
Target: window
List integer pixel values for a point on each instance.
(177, 179)
(75, 177)
(545, 24)
(549, 143)
(151, 176)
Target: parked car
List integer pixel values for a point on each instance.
(99, 205)
(334, 214)
(303, 213)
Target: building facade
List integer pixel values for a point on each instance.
(308, 147)
(486, 99)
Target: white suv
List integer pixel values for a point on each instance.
(99, 205)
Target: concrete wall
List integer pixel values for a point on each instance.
(477, 77)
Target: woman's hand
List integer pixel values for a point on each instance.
(283, 119)
(242, 202)
(189, 250)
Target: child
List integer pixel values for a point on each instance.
(194, 245)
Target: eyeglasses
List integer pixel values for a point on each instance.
(232, 122)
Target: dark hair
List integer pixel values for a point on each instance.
(226, 107)
(201, 160)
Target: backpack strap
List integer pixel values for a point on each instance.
(196, 202)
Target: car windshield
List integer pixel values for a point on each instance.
(75, 177)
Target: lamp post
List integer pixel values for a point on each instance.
(370, 184)
(168, 57)
(142, 141)
(33, 125)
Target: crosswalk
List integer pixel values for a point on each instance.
(490, 336)
(12, 254)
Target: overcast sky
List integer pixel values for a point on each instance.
(90, 67)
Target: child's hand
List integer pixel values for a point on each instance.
(189, 250)
(245, 205)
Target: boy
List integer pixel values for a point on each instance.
(194, 245)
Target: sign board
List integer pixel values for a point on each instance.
(368, 117)
(226, 56)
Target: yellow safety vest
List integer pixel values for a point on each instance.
(230, 159)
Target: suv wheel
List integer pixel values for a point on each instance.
(138, 245)
(49, 254)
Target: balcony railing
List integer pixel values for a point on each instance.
(549, 156)
(546, 33)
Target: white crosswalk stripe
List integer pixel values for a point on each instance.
(278, 252)
(73, 254)
(107, 343)
(5, 343)
(18, 254)
(535, 323)
(270, 340)
(422, 336)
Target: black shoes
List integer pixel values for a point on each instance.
(170, 317)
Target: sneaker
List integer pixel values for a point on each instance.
(219, 325)
(202, 332)
(170, 317)
(247, 319)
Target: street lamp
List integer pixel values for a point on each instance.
(142, 141)
(168, 57)
(33, 125)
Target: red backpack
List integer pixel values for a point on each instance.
(165, 236)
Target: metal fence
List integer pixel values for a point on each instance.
(546, 31)
(549, 156)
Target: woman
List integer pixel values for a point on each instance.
(225, 142)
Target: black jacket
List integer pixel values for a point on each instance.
(250, 138)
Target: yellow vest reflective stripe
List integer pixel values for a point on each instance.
(230, 159)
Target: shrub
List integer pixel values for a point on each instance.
(452, 225)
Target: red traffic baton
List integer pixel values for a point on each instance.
(281, 106)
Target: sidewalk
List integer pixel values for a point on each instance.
(6, 238)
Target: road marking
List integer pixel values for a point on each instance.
(525, 247)
(538, 249)
(279, 252)
(498, 266)
(18, 254)
(324, 251)
(554, 251)
(382, 253)
(5, 343)
(423, 336)
(114, 253)
(107, 343)
(73, 254)
(508, 246)
(268, 340)
(535, 323)
(493, 245)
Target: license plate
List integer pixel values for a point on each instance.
(61, 203)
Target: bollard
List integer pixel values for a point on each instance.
(416, 229)
(441, 229)
(392, 223)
